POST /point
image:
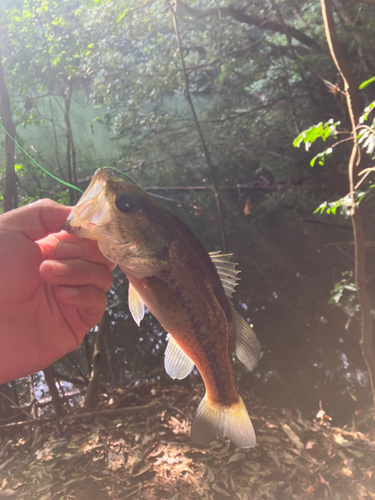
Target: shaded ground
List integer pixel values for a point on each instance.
(148, 455)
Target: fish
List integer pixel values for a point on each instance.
(187, 290)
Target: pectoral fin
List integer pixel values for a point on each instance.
(176, 363)
(247, 345)
(227, 272)
(136, 304)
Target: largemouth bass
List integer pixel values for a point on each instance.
(185, 288)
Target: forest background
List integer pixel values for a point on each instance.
(201, 102)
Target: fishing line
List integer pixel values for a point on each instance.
(56, 178)
(40, 166)
(124, 173)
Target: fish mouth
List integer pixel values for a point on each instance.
(91, 210)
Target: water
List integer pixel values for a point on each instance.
(310, 351)
(288, 267)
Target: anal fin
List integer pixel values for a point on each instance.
(177, 364)
(136, 304)
(247, 344)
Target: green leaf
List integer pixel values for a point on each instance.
(321, 157)
(367, 82)
(122, 15)
(321, 130)
(367, 111)
(352, 287)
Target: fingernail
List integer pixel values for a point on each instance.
(59, 269)
(69, 249)
(70, 291)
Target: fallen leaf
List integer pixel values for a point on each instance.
(293, 436)
(115, 460)
(237, 457)
(342, 441)
(310, 443)
(356, 453)
(141, 469)
(248, 207)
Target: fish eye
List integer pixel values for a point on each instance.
(124, 203)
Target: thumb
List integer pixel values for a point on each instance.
(37, 220)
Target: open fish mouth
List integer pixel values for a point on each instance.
(91, 210)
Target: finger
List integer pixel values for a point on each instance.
(49, 243)
(78, 248)
(37, 220)
(76, 273)
(82, 306)
(64, 246)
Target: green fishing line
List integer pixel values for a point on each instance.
(40, 166)
(60, 180)
(124, 173)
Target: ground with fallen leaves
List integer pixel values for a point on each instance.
(148, 455)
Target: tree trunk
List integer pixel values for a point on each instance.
(10, 193)
(8, 402)
(56, 400)
(92, 394)
(354, 168)
(111, 357)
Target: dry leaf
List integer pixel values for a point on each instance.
(237, 457)
(292, 436)
(115, 460)
(141, 468)
(248, 207)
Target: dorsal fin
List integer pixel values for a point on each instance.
(177, 364)
(247, 345)
(227, 271)
(136, 304)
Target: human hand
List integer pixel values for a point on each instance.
(52, 288)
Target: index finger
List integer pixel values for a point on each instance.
(64, 246)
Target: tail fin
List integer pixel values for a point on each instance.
(217, 421)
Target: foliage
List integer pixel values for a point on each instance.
(321, 130)
(367, 82)
(366, 135)
(258, 75)
(344, 294)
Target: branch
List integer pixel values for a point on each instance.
(354, 168)
(131, 410)
(240, 16)
(92, 395)
(73, 379)
(55, 397)
(251, 185)
(200, 133)
(10, 192)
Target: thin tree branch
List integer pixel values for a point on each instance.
(92, 393)
(354, 168)
(200, 133)
(240, 16)
(131, 410)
